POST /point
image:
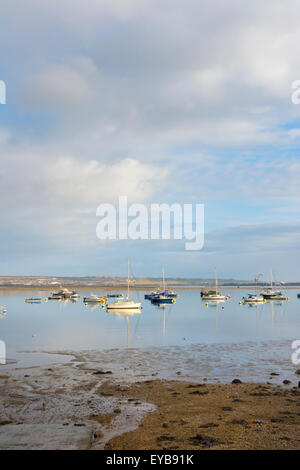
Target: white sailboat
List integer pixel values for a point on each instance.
(254, 298)
(213, 295)
(127, 303)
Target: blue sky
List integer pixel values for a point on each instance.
(180, 101)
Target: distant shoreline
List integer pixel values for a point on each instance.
(54, 283)
(139, 287)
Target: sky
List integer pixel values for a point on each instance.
(162, 101)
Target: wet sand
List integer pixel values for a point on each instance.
(83, 396)
(203, 416)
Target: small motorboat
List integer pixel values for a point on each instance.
(253, 299)
(55, 296)
(93, 298)
(34, 300)
(74, 295)
(65, 293)
(212, 295)
(115, 296)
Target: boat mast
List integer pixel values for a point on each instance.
(271, 278)
(163, 276)
(216, 280)
(127, 298)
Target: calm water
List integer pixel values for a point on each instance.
(185, 326)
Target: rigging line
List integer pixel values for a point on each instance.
(135, 288)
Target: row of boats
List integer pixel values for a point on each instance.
(214, 295)
(114, 301)
(268, 293)
(161, 296)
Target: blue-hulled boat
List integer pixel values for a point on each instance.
(166, 293)
(162, 299)
(34, 300)
(151, 295)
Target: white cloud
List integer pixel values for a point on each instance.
(107, 95)
(81, 184)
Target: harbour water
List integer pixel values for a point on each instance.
(187, 339)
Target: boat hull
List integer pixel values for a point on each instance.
(274, 297)
(213, 298)
(162, 300)
(123, 305)
(253, 301)
(96, 300)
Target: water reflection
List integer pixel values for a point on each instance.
(216, 304)
(165, 310)
(66, 324)
(94, 306)
(125, 313)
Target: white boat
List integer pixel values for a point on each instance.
(74, 295)
(122, 304)
(213, 294)
(253, 298)
(127, 303)
(93, 298)
(62, 294)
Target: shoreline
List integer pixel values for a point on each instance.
(228, 417)
(83, 404)
(138, 287)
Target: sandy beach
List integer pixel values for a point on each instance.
(78, 405)
(200, 416)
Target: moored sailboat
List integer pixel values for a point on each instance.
(213, 294)
(269, 293)
(127, 303)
